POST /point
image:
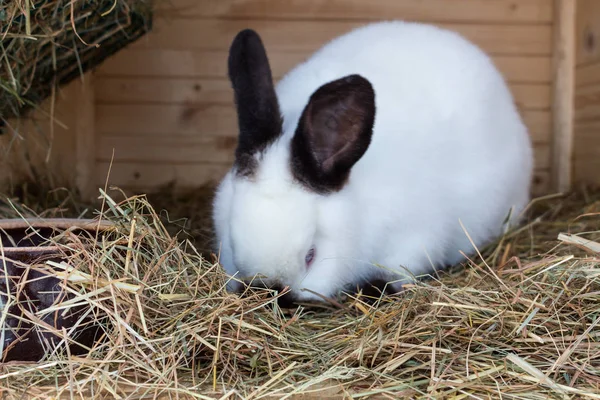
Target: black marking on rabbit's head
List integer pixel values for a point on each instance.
(259, 116)
(333, 133)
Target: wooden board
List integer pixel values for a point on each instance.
(587, 147)
(563, 88)
(587, 74)
(494, 11)
(587, 104)
(168, 150)
(44, 141)
(586, 144)
(309, 35)
(540, 184)
(586, 170)
(131, 90)
(588, 32)
(213, 64)
(207, 119)
(85, 137)
(147, 176)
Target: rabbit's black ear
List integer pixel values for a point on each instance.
(333, 133)
(259, 117)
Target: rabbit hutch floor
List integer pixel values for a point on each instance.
(519, 319)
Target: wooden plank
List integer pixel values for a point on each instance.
(188, 150)
(308, 36)
(542, 156)
(169, 120)
(540, 184)
(564, 91)
(588, 32)
(85, 139)
(43, 141)
(588, 74)
(587, 145)
(589, 125)
(539, 124)
(587, 103)
(585, 170)
(167, 149)
(119, 90)
(511, 11)
(328, 389)
(213, 64)
(590, 111)
(531, 96)
(586, 160)
(147, 176)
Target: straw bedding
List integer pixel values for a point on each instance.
(520, 320)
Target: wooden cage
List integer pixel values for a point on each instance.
(162, 108)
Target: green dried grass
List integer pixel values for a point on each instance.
(521, 323)
(47, 43)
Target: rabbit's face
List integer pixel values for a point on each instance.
(271, 225)
(276, 233)
(270, 210)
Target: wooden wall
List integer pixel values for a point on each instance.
(165, 106)
(54, 142)
(586, 157)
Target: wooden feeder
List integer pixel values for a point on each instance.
(27, 289)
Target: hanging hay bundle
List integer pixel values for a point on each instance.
(522, 320)
(46, 43)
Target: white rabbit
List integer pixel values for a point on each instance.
(365, 159)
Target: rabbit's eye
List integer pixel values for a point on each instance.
(310, 256)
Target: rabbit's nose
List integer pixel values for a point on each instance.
(285, 298)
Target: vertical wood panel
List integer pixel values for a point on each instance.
(586, 142)
(588, 32)
(563, 92)
(85, 128)
(43, 141)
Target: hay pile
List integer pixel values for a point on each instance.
(523, 322)
(46, 43)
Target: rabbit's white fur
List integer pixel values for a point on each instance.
(448, 146)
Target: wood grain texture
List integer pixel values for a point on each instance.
(587, 74)
(43, 141)
(586, 140)
(588, 32)
(148, 176)
(213, 64)
(199, 119)
(587, 103)
(85, 137)
(170, 150)
(310, 35)
(491, 11)
(563, 90)
(165, 104)
(144, 90)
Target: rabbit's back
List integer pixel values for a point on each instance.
(448, 142)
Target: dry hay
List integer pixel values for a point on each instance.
(47, 43)
(520, 323)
